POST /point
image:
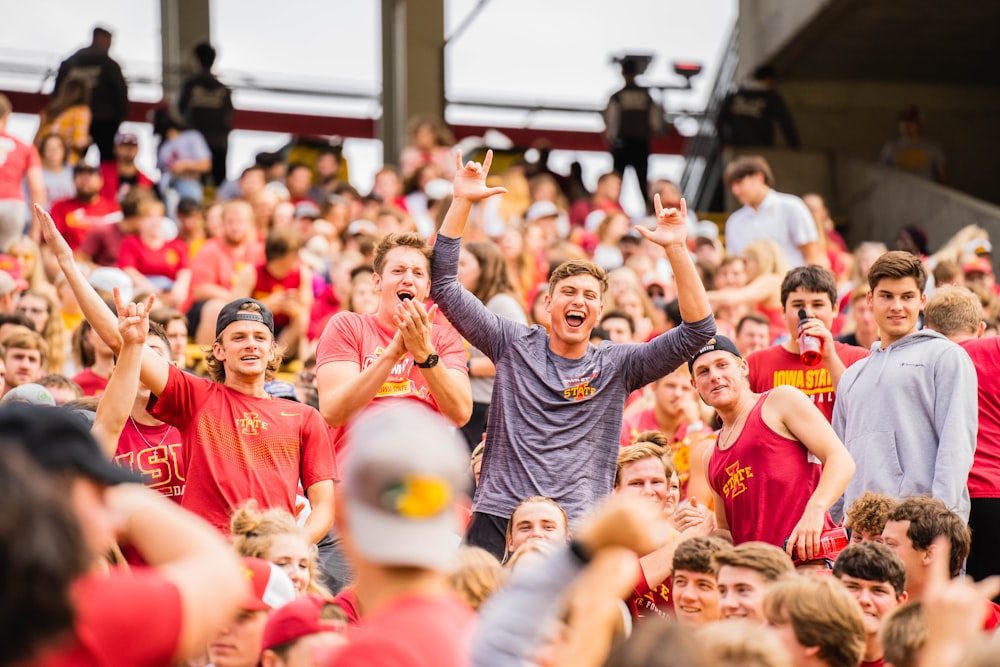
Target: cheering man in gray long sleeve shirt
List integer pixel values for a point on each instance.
(556, 413)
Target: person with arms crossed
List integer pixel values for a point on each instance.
(237, 442)
(765, 456)
(555, 418)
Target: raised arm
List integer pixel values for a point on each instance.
(154, 368)
(189, 553)
(671, 233)
(116, 401)
(756, 291)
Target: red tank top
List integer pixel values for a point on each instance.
(764, 480)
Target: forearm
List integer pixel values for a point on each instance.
(451, 392)
(513, 622)
(456, 218)
(95, 310)
(836, 368)
(116, 401)
(837, 472)
(321, 504)
(691, 295)
(342, 403)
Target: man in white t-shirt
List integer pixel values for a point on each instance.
(768, 214)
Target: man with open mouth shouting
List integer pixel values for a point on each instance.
(557, 405)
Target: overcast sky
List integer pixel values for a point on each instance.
(536, 51)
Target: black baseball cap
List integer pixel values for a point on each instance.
(717, 343)
(58, 439)
(231, 313)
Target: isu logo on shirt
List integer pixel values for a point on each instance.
(579, 389)
(251, 424)
(735, 475)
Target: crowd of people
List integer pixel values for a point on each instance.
(479, 419)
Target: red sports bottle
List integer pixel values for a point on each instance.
(831, 542)
(810, 347)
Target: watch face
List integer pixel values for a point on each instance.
(430, 362)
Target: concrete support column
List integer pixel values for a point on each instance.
(183, 24)
(412, 68)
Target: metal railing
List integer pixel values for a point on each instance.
(703, 164)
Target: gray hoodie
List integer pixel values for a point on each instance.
(908, 414)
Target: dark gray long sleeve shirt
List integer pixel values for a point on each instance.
(553, 423)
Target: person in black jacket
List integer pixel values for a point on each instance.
(108, 90)
(747, 117)
(207, 106)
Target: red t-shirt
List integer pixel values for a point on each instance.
(91, 383)
(984, 478)
(764, 480)
(74, 218)
(267, 285)
(16, 158)
(103, 245)
(647, 603)
(362, 339)
(217, 264)
(774, 366)
(412, 631)
(127, 617)
(166, 261)
(155, 453)
(113, 189)
(236, 447)
(873, 663)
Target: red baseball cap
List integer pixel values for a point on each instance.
(298, 619)
(270, 587)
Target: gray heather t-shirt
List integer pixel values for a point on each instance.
(554, 423)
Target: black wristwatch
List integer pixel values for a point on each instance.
(430, 362)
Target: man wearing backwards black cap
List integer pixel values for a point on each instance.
(160, 614)
(762, 470)
(238, 442)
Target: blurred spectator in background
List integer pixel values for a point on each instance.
(67, 115)
(87, 210)
(108, 90)
(20, 162)
(327, 174)
(183, 158)
(121, 174)
(207, 106)
(747, 117)
(430, 142)
(912, 153)
(631, 118)
(56, 175)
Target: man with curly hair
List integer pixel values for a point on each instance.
(867, 515)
